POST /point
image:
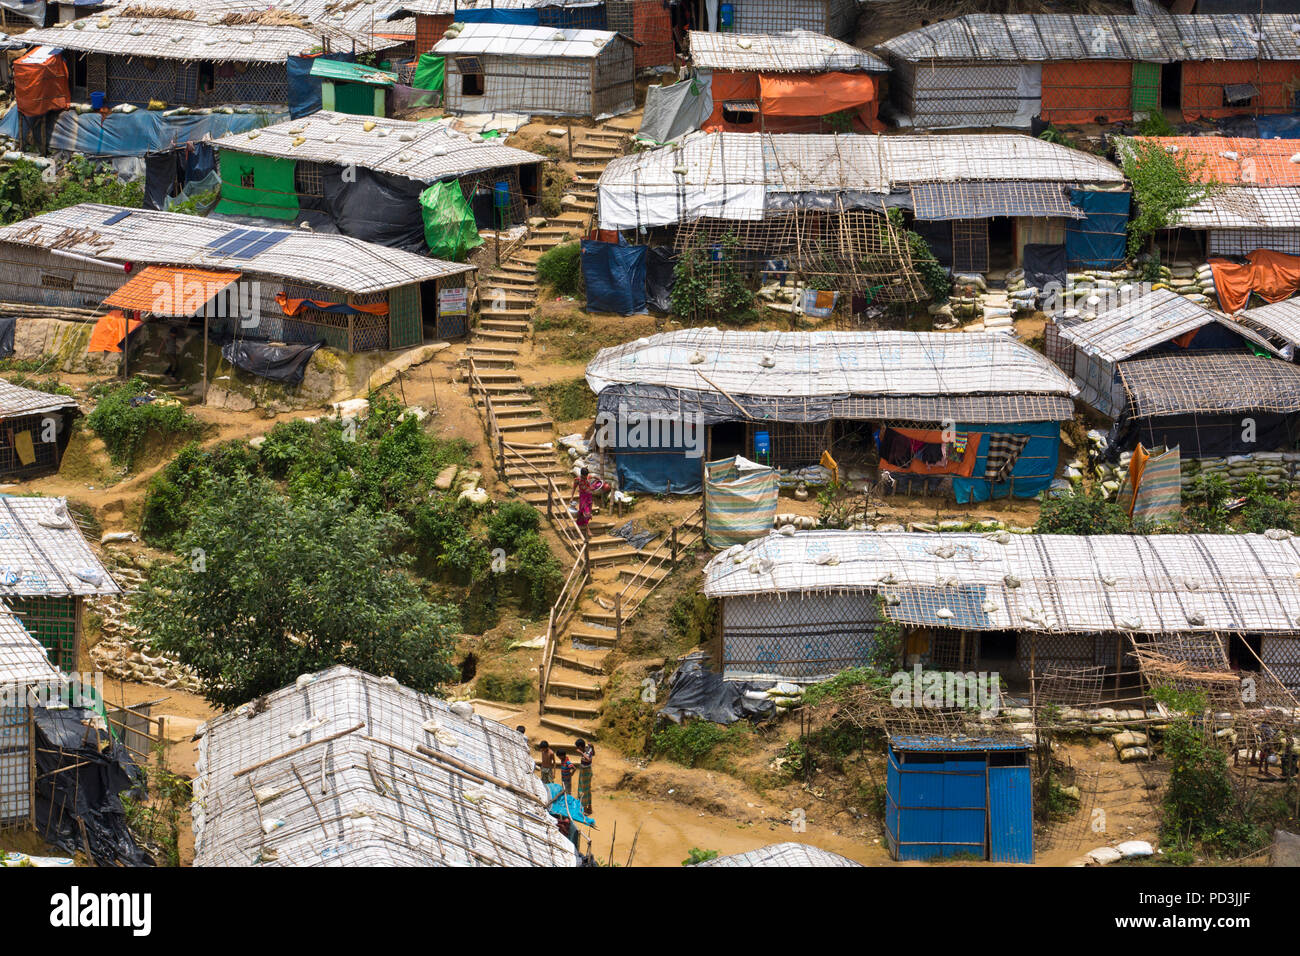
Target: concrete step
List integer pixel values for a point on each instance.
(535, 424)
(496, 335)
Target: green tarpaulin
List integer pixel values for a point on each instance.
(430, 72)
(449, 228)
(257, 186)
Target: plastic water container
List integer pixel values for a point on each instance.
(726, 16)
(97, 100)
(501, 195)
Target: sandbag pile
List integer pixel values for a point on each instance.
(814, 476)
(1277, 468)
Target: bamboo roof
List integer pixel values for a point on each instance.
(425, 152)
(1147, 584)
(795, 51)
(151, 237)
(1209, 383)
(347, 769)
(44, 554)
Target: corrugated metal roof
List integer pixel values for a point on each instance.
(934, 742)
(830, 364)
(1146, 319)
(942, 201)
(1057, 583)
(387, 802)
(165, 238)
(1209, 383)
(1029, 37)
(197, 40)
(501, 39)
(22, 658)
(16, 400)
(351, 72)
(43, 553)
(795, 51)
(422, 151)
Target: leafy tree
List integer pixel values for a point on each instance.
(1078, 513)
(269, 588)
(511, 523)
(561, 268)
(1163, 183)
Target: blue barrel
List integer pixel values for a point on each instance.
(501, 195)
(97, 100)
(726, 16)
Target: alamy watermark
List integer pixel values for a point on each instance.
(919, 688)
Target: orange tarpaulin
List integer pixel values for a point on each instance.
(963, 466)
(1204, 80)
(1078, 91)
(41, 82)
(163, 290)
(294, 306)
(109, 332)
(1258, 162)
(1273, 276)
(814, 94)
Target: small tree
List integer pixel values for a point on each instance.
(268, 588)
(1078, 513)
(1163, 183)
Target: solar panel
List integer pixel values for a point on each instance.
(117, 217)
(246, 243)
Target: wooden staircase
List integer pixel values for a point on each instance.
(584, 627)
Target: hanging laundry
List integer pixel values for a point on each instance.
(1004, 451)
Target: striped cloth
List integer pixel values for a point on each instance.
(739, 503)
(1004, 450)
(1159, 495)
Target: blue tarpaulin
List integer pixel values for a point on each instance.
(527, 18)
(563, 805)
(1278, 127)
(659, 473)
(148, 131)
(614, 276)
(304, 89)
(1100, 241)
(1032, 472)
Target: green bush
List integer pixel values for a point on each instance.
(124, 427)
(696, 742)
(1264, 509)
(561, 268)
(1078, 513)
(691, 619)
(511, 523)
(184, 484)
(542, 575)
(695, 855)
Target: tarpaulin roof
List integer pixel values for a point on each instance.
(1142, 321)
(1208, 383)
(411, 782)
(168, 290)
(1278, 318)
(327, 69)
(795, 51)
(361, 17)
(503, 39)
(1035, 582)
(110, 331)
(443, 7)
(1243, 207)
(40, 79)
(22, 658)
(163, 238)
(169, 39)
(1030, 37)
(43, 553)
(936, 201)
(421, 151)
(1231, 160)
(737, 175)
(959, 375)
(16, 400)
(782, 854)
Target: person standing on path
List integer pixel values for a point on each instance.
(586, 754)
(546, 762)
(566, 773)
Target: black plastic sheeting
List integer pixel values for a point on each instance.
(78, 805)
(7, 336)
(1044, 265)
(696, 692)
(376, 207)
(279, 363)
(659, 264)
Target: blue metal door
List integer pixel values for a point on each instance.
(1011, 815)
